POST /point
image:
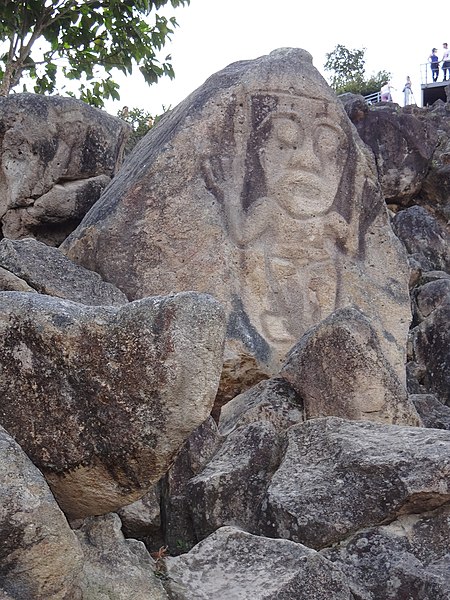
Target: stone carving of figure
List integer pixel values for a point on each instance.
(255, 189)
(286, 221)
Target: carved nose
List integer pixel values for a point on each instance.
(304, 157)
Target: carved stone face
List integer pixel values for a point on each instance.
(303, 156)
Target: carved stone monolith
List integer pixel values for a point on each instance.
(257, 190)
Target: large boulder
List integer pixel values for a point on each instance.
(141, 520)
(424, 237)
(219, 481)
(435, 193)
(403, 142)
(409, 558)
(55, 214)
(49, 271)
(273, 400)
(255, 189)
(56, 156)
(430, 338)
(232, 486)
(338, 476)
(176, 498)
(11, 283)
(40, 557)
(430, 343)
(338, 369)
(101, 398)
(233, 564)
(411, 146)
(433, 413)
(116, 568)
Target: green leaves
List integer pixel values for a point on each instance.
(348, 72)
(84, 40)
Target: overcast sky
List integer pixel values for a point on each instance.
(215, 33)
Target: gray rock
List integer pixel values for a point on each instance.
(433, 413)
(403, 143)
(423, 237)
(255, 189)
(54, 152)
(435, 192)
(429, 276)
(102, 398)
(338, 368)
(409, 558)
(430, 296)
(40, 556)
(176, 497)
(231, 488)
(116, 568)
(142, 519)
(431, 352)
(11, 283)
(54, 215)
(49, 271)
(273, 400)
(355, 106)
(233, 564)
(337, 477)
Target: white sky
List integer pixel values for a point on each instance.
(215, 33)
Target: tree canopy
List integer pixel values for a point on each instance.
(83, 40)
(347, 68)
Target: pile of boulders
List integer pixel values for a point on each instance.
(231, 379)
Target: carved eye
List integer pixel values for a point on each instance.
(287, 133)
(327, 140)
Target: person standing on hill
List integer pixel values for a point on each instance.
(386, 92)
(446, 61)
(407, 91)
(434, 60)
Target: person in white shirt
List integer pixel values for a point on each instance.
(446, 61)
(385, 92)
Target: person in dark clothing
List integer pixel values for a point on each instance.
(434, 60)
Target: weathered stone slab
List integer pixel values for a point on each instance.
(11, 283)
(424, 237)
(430, 296)
(55, 214)
(101, 398)
(48, 144)
(232, 564)
(255, 189)
(409, 558)
(403, 143)
(142, 519)
(431, 351)
(338, 369)
(115, 568)
(40, 556)
(435, 192)
(49, 271)
(433, 413)
(273, 400)
(176, 497)
(231, 488)
(339, 476)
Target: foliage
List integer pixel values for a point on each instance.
(367, 86)
(141, 122)
(83, 38)
(348, 72)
